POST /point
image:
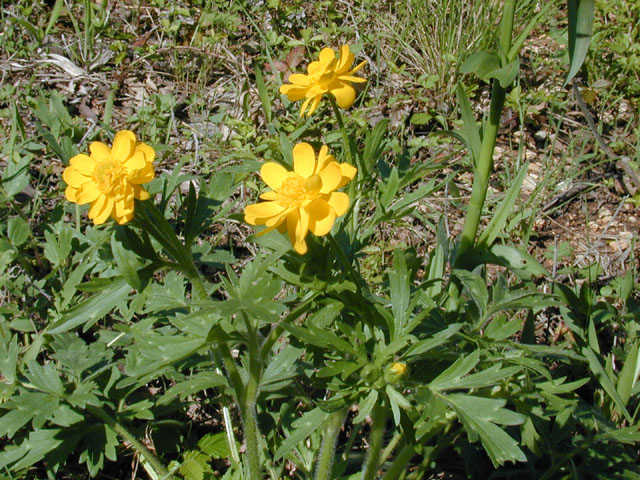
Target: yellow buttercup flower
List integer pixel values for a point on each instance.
(110, 178)
(303, 200)
(326, 75)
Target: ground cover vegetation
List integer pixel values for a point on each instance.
(319, 240)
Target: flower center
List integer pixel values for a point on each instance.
(296, 189)
(108, 175)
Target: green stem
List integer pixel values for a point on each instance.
(399, 463)
(345, 137)
(379, 419)
(250, 423)
(121, 430)
(484, 166)
(328, 449)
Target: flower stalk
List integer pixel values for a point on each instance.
(379, 418)
(327, 455)
(484, 165)
(345, 137)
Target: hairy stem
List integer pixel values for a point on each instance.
(484, 166)
(379, 417)
(328, 449)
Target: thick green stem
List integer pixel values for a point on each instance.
(484, 166)
(129, 437)
(399, 463)
(379, 419)
(343, 131)
(328, 449)
(250, 423)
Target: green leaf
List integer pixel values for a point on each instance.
(18, 231)
(507, 74)
(37, 446)
(127, 261)
(476, 288)
(302, 428)
(479, 417)
(195, 383)
(503, 210)
(482, 64)
(366, 406)
(57, 250)
(436, 340)
(262, 93)
(629, 374)
(399, 278)
(471, 130)
(389, 189)
(580, 29)
(459, 368)
(603, 379)
(15, 177)
(397, 401)
(55, 14)
(281, 368)
(373, 144)
(45, 378)
(215, 445)
(93, 308)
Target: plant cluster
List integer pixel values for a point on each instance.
(282, 357)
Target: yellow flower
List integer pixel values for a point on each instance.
(398, 368)
(327, 75)
(110, 178)
(303, 200)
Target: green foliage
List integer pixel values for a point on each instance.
(180, 340)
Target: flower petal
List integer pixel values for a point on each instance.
(74, 178)
(99, 151)
(273, 174)
(149, 153)
(140, 193)
(123, 145)
(144, 175)
(323, 158)
(270, 195)
(83, 164)
(304, 159)
(358, 67)
(294, 92)
(304, 107)
(314, 105)
(300, 79)
(346, 59)
(102, 216)
(135, 162)
(321, 217)
(97, 206)
(331, 177)
(345, 95)
(348, 173)
(259, 213)
(123, 208)
(351, 78)
(339, 201)
(70, 194)
(87, 193)
(298, 226)
(327, 55)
